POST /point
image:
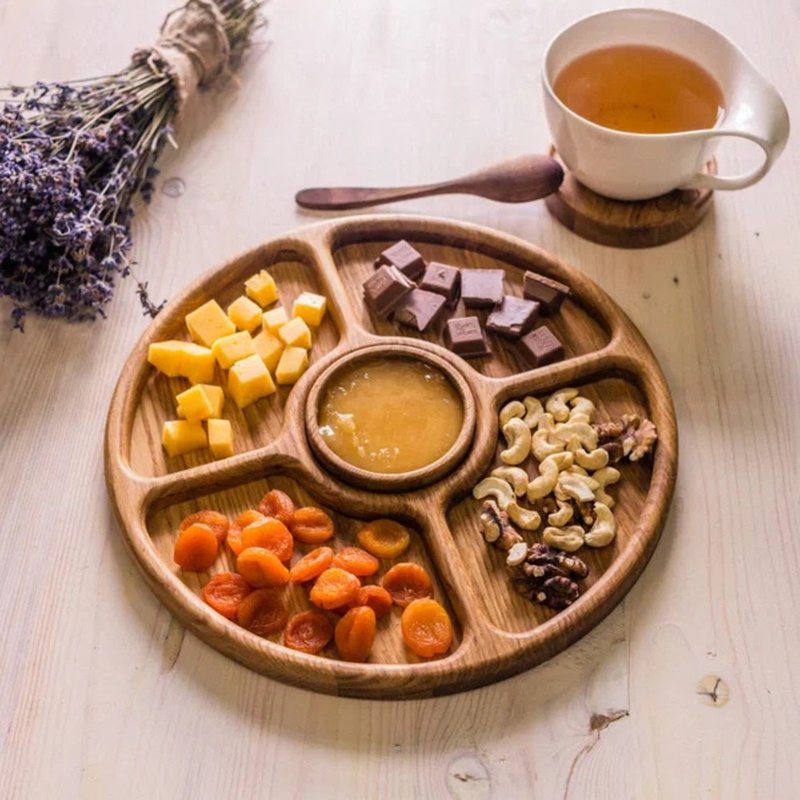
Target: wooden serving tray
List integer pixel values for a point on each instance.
(498, 632)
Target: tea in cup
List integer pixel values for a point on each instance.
(638, 99)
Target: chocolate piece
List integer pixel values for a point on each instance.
(420, 309)
(443, 280)
(464, 336)
(403, 256)
(513, 317)
(385, 288)
(482, 288)
(544, 290)
(541, 347)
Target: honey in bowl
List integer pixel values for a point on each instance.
(390, 415)
(640, 89)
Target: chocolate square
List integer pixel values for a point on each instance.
(464, 336)
(513, 317)
(385, 288)
(420, 309)
(544, 290)
(541, 347)
(443, 280)
(403, 256)
(482, 288)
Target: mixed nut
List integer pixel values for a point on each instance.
(572, 455)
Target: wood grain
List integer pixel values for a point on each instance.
(484, 654)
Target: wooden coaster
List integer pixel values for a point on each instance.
(629, 224)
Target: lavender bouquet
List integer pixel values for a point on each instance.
(74, 155)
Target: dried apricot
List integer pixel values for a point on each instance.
(357, 561)
(262, 612)
(384, 538)
(376, 597)
(216, 521)
(277, 504)
(196, 548)
(261, 567)
(308, 631)
(406, 582)
(311, 565)
(225, 591)
(311, 525)
(355, 634)
(426, 626)
(335, 587)
(234, 538)
(271, 534)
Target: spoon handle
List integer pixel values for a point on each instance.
(520, 180)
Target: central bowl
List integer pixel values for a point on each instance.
(390, 481)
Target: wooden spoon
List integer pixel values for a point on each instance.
(517, 181)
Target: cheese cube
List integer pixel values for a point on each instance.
(249, 380)
(184, 359)
(261, 288)
(269, 347)
(210, 405)
(181, 436)
(230, 349)
(295, 333)
(293, 363)
(207, 323)
(245, 314)
(310, 307)
(220, 438)
(274, 319)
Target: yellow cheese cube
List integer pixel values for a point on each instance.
(269, 347)
(210, 405)
(230, 349)
(261, 288)
(180, 436)
(295, 333)
(249, 380)
(293, 363)
(220, 438)
(184, 359)
(245, 314)
(274, 319)
(310, 307)
(207, 323)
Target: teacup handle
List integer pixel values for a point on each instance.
(767, 125)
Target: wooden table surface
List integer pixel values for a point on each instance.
(689, 689)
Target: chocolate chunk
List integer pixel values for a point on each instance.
(403, 256)
(481, 288)
(541, 347)
(513, 317)
(420, 309)
(385, 288)
(464, 336)
(544, 290)
(443, 280)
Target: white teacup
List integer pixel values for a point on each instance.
(633, 166)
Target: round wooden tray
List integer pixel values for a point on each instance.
(498, 633)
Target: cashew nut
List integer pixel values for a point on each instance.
(563, 516)
(516, 476)
(606, 476)
(525, 518)
(511, 411)
(604, 528)
(602, 496)
(575, 469)
(518, 437)
(575, 486)
(557, 403)
(597, 459)
(541, 445)
(546, 423)
(517, 554)
(582, 406)
(494, 487)
(545, 482)
(568, 539)
(534, 411)
(569, 432)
